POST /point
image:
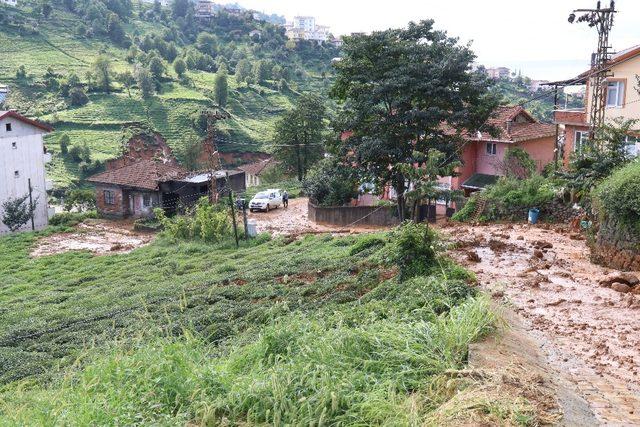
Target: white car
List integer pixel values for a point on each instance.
(266, 200)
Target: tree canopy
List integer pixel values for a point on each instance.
(407, 91)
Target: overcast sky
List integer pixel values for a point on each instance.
(530, 35)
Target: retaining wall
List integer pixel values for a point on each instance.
(354, 215)
(616, 246)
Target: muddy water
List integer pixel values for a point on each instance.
(591, 333)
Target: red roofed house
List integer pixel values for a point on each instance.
(135, 189)
(22, 164)
(482, 154)
(253, 171)
(622, 100)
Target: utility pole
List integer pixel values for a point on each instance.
(31, 209)
(602, 20)
(233, 212)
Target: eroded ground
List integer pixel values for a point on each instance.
(97, 236)
(590, 333)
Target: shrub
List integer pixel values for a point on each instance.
(207, 223)
(618, 196)
(80, 200)
(69, 219)
(330, 183)
(77, 97)
(413, 249)
(365, 242)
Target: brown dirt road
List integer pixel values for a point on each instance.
(589, 333)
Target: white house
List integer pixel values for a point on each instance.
(22, 160)
(305, 28)
(10, 2)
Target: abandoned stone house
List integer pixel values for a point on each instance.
(134, 190)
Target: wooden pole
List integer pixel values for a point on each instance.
(233, 212)
(33, 226)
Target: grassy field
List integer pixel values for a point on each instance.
(312, 331)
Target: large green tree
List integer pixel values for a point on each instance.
(405, 93)
(221, 91)
(102, 71)
(299, 135)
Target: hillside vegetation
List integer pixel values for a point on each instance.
(319, 330)
(58, 53)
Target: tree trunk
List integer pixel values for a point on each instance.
(401, 199)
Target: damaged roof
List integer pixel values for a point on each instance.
(144, 174)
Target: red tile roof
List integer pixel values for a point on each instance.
(256, 168)
(23, 119)
(510, 130)
(145, 174)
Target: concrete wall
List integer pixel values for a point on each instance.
(354, 215)
(28, 159)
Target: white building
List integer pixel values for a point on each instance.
(4, 92)
(305, 28)
(205, 9)
(10, 2)
(22, 160)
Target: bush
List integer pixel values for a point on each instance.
(80, 200)
(618, 196)
(207, 223)
(70, 219)
(77, 97)
(365, 242)
(330, 183)
(413, 249)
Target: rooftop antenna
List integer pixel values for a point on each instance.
(602, 20)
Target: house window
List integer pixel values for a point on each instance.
(109, 197)
(8, 127)
(581, 141)
(146, 200)
(14, 145)
(16, 174)
(492, 148)
(615, 94)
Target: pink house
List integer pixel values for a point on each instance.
(483, 153)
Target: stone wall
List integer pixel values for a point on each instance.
(616, 246)
(556, 210)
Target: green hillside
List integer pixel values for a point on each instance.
(66, 43)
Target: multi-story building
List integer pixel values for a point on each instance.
(498, 72)
(622, 100)
(22, 165)
(204, 9)
(305, 28)
(10, 2)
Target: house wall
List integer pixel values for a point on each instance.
(626, 71)
(118, 209)
(570, 141)
(489, 164)
(541, 150)
(468, 168)
(28, 159)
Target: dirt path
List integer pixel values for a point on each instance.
(97, 236)
(588, 332)
(295, 220)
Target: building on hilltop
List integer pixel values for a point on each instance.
(205, 9)
(13, 3)
(498, 72)
(305, 28)
(622, 100)
(22, 165)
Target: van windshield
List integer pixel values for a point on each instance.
(262, 196)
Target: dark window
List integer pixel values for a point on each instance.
(146, 200)
(204, 189)
(109, 197)
(16, 174)
(14, 145)
(491, 148)
(8, 127)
